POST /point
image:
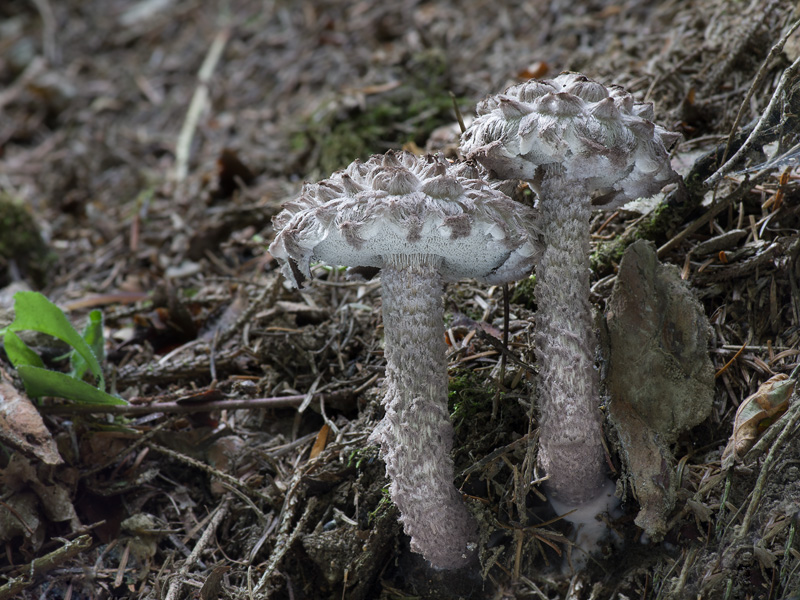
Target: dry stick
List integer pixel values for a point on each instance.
(177, 583)
(48, 562)
(285, 541)
(230, 480)
(762, 73)
(712, 212)
(788, 77)
(178, 407)
(51, 52)
(198, 104)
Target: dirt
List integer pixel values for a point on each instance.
(152, 142)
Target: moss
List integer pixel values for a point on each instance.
(21, 242)
(384, 504)
(469, 395)
(336, 135)
(523, 293)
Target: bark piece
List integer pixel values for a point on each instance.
(660, 378)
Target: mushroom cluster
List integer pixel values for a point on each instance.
(423, 222)
(578, 143)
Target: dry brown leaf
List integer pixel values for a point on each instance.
(769, 402)
(320, 442)
(22, 428)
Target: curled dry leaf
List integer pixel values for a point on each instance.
(22, 428)
(769, 402)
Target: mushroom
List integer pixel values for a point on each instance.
(577, 143)
(422, 221)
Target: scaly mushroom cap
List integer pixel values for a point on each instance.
(400, 204)
(600, 135)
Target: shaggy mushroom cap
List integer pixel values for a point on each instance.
(599, 135)
(399, 204)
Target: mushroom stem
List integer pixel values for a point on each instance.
(416, 435)
(571, 448)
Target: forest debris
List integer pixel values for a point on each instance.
(778, 110)
(661, 379)
(320, 442)
(725, 241)
(44, 564)
(770, 401)
(21, 425)
(31, 503)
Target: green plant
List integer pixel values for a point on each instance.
(468, 395)
(342, 130)
(34, 312)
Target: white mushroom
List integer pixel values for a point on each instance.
(423, 222)
(576, 141)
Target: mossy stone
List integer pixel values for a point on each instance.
(21, 244)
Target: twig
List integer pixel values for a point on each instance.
(176, 585)
(192, 407)
(51, 52)
(457, 110)
(788, 78)
(284, 542)
(198, 104)
(731, 361)
(762, 72)
(712, 212)
(230, 480)
(48, 562)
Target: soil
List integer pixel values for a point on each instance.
(152, 142)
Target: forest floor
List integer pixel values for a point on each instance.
(150, 144)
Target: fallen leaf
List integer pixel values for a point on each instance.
(213, 585)
(536, 70)
(22, 428)
(320, 442)
(768, 403)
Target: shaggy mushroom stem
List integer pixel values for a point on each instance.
(571, 447)
(416, 434)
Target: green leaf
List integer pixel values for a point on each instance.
(18, 352)
(34, 311)
(93, 336)
(43, 382)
